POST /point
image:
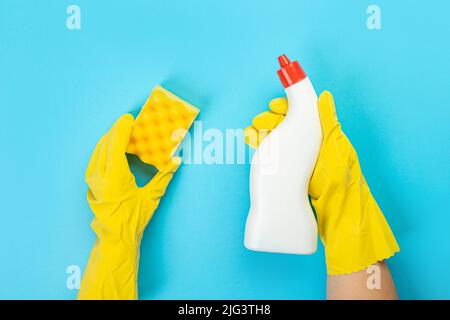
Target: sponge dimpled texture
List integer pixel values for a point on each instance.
(160, 127)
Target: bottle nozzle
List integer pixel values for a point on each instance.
(290, 72)
(283, 60)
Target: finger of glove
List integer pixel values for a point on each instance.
(279, 105)
(251, 137)
(267, 120)
(327, 111)
(118, 140)
(158, 185)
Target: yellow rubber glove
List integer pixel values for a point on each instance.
(122, 211)
(351, 225)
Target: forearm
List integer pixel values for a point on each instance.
(111, 272)
(373, 283)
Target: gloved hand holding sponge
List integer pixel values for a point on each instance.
(122, 210)
(351, 225)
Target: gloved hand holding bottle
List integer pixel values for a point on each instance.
(122, 210)
(351, 225)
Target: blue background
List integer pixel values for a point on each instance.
(61, 89)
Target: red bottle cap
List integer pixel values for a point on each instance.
(290, 72)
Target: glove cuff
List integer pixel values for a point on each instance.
(363, 244)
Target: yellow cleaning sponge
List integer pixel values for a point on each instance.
(160, 126)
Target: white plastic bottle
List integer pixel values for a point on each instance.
(281, 218)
